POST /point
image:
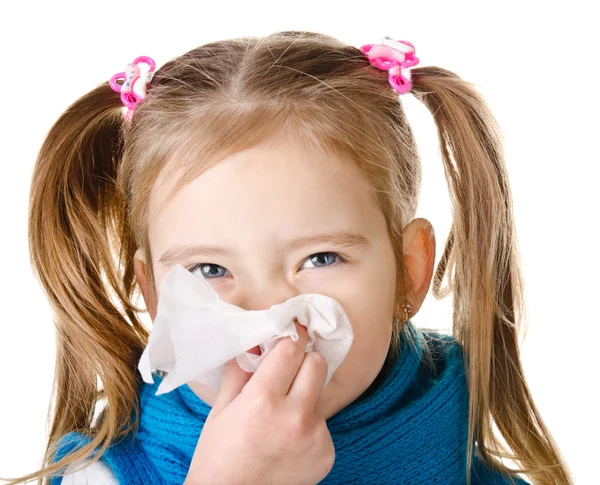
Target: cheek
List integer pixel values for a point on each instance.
(372, 334)
(370, 309)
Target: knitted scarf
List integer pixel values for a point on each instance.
(411, 430)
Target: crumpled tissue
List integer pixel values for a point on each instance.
(195, 333)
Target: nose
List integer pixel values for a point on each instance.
(262, 296)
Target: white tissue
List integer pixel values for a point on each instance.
(195, 333)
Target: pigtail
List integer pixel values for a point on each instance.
(75, 215)
(483, 266)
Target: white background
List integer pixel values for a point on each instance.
(536, 63)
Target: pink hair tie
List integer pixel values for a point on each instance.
(395, 57)
(133, 88)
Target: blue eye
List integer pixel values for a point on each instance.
(205, 270)
(315, 259)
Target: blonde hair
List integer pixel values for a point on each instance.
(89, 213)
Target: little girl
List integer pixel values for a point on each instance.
(260, 158)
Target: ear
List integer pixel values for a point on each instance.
(419, 258)
(139, 264)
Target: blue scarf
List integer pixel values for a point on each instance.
(410, 429)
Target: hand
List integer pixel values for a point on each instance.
(267, 427)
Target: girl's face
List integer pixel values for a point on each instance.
(271, 225)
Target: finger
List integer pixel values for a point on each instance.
(234, 380)
(278, 369)
(310, 380)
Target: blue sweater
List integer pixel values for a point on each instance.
(410, 428)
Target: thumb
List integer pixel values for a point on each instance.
(234, 380)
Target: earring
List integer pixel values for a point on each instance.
(407, 310)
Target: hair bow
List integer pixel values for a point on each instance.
(395, 57)
(133, 88)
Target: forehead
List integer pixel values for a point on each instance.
(269, 185)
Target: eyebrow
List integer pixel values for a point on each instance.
(345, 239)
